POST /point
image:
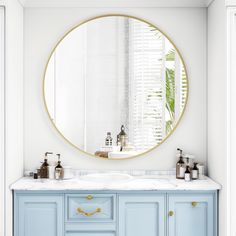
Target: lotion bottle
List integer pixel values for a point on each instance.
(195, 171)
(59, 172)
(44, 172)
(180, 166)
(187, 174)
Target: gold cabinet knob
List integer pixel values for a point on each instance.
(171, 213)
(194, 204)
(82, 212)
(89, 197)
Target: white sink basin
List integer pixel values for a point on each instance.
(107, 177)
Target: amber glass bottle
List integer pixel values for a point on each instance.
(180, 166)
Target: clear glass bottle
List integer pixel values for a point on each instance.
(195, 171)
(59, 171)
(180, 166)
(108, 141)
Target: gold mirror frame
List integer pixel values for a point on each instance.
(75, 27)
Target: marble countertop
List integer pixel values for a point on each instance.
(163, 182)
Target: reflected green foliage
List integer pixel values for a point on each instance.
(170, 92)
(170, 56)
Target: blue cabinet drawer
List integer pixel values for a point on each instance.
(90, 207)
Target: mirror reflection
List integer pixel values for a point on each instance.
(115, 87)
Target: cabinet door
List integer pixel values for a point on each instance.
(191, 215)
(39, 215)
(142, 215)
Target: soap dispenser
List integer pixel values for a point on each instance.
(187, 174)
(195, 171)
(44, 172)
(180, 165)
(59, 171)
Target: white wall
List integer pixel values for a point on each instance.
(43, 27)
(231, 88)
(2, 117)
(217, 105)
(13, 103)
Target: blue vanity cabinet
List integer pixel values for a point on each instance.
(37, 215)
(142, 215)
(191, 214)
(115, 213)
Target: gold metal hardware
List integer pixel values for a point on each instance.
(89, 197)
(171, 213)
(194, 204)
(82, 212)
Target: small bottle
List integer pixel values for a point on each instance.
(108, 141)
(35, 175)
(187, 174)
(44, 172)
(195, 171)
(59, 172)
(180, 166)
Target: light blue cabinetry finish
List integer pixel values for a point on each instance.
(90, 207)
(142, 215)
(37, 215)
(115, 213)
(90, 234)
(191, 214)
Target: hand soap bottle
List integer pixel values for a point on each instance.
(59, 172)
(195, 171)
(187, 174)
(180, 166)
(44, 172)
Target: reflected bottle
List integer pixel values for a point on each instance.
(108, 140)
(122, 138)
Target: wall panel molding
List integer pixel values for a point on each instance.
(115, 3)
(231, 117)
(2, 120)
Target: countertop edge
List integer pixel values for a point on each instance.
(29, 184)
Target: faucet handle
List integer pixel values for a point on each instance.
(48, 153)
(59, 156)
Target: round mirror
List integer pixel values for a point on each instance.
(115, 86)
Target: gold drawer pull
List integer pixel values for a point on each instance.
(171, 213)
(194, 204)
(82, 212)
(89, 197)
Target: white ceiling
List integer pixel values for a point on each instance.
(115, 3)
